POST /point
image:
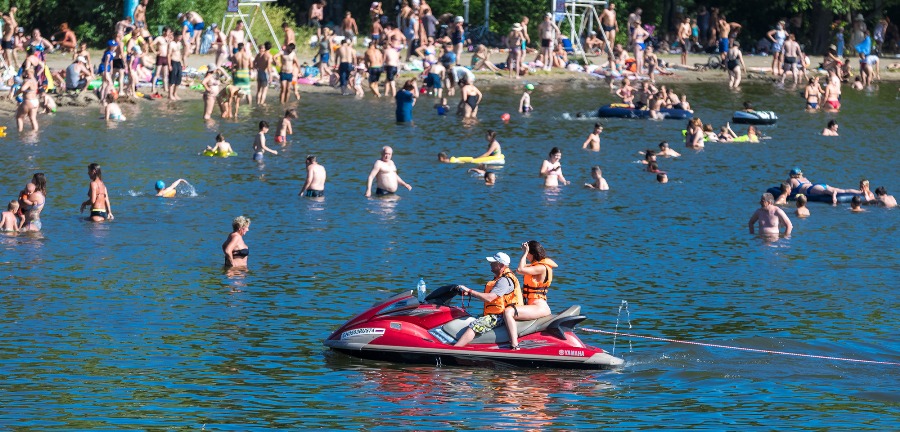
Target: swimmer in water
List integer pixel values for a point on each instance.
(167, 192)
(525, 101)
(443, 157)
(384, 174)
(234, 248)
(551, 169)
(599, 182)
(883, 199)
(8, 221)
(490, 178)
(314, 186)
(222, 147)
(665, 151)
(593, 140)
(802, 210)
(662, 178)
(770, 218)
(259, 143)
(831, 129)
(856, 205)
(112, 110)
(98, 196)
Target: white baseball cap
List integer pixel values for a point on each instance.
(499, 257)
(81, 59)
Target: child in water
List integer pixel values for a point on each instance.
(626, 93)
(525, 101)
(599, 182)
(112, 110)
(284, 128)
(259, 143)
(856, 204)
(8, 220)
(802, 210)
(490, 178)
(222, 147)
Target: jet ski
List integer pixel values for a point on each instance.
(400, 329)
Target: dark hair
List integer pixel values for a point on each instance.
(880, 190)
(598, 126)
(292, 46)
(554, 151)
(220, 138)
(660, 176)
(284, 24)
(240, 45)
(653, 166)
(166, 29)
(40, 183)
(748, 105)
(267, 45)
(409, 85)
(648, 154)
(856, 200)
(536, 250)
(310, 158)
(663, 144)
(263, 124)
(491, 135)
(291, 112)
(94, 172)
(832, 123)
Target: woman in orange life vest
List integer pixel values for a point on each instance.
(537, 277)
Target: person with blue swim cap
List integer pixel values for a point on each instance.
(168, 192)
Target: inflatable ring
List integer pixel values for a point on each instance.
(218, 153)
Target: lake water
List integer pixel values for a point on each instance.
(133, 324)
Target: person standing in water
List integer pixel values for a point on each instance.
(284, 127)
(98, 196)
(551, 169)
(599, 182)
(259, 143)
(770, 218)
(406, 99)
(32, 202)
(315, 179)
(593, 140)
(234, 248)
(735, 64)
(384, 173)
(525, 101)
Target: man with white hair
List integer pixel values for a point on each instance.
(499, 293)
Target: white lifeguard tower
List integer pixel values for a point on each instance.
(581, 15)
(239, 10)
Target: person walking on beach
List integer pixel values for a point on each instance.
(735, 64)
(264, 65)
(178, 50)
(160, 46)
(9, 30)
(684, 38)
(289, 64)
(384, 173)
(98, 196)
(548, 32)
(793, 55)
(315, 179)
(770, 218)
(345, 59)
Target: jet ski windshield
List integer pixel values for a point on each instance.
(442, 295)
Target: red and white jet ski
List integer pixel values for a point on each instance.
(401, 329)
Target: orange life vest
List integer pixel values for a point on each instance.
(501, 302)
(534, 290)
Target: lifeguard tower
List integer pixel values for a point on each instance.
(238, 10)
(581, 15)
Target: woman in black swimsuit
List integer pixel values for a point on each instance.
(236, 251)
(470, 98)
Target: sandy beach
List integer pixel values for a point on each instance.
(758, 71)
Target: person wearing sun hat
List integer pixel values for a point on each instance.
(514, 43)
(502, 292)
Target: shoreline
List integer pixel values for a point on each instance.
(758, 72)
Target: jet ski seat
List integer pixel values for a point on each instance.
(499, 335)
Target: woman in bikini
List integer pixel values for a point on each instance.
(30, 103)
(812, 94)
(493, 145)
(98, 196)
(211, 89)
(234, 248)
(802, 185)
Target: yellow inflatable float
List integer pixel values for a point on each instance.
(218, 153)
(487, 160)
